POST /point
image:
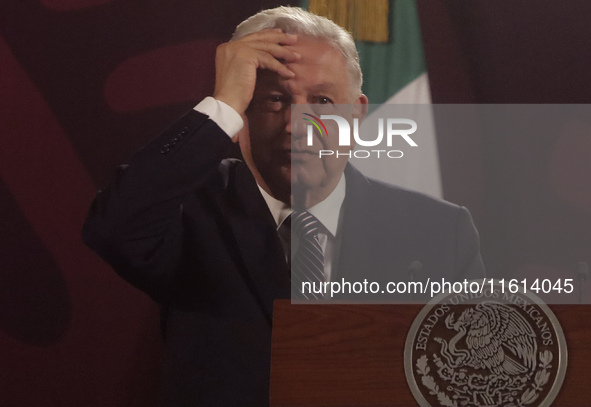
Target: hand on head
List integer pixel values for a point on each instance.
(237, 63)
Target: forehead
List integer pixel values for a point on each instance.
(321, 65)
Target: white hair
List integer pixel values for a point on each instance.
(294, 20)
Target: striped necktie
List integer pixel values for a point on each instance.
(307, 264)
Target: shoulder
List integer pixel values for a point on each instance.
(395, 208)
(378, 198)
(388, 195)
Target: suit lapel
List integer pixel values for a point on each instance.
(353, 247)
(375, 241)
(256, 237)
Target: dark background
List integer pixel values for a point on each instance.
(83, 83)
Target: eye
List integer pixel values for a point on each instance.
(323, 100)
(274, 103)
(322, 105)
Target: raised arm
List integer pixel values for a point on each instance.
(135, 224)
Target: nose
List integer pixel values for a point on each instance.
(298, 124)
(287, 118)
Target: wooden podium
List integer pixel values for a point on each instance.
(353, 355)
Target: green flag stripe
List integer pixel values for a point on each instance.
(389, 67)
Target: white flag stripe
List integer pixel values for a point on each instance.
(419, 169)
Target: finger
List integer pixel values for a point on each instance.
(257, 34)
(275, 36)
(276, 50)
(266, 61)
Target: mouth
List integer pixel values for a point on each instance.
(301, 155)
(295, 155)
(302, 151)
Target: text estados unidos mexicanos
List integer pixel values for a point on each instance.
(437, 287)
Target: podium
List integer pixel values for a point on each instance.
(353, 355)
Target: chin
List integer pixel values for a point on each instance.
(305, 180)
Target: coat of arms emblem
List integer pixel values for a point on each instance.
(492, 349)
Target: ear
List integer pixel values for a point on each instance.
(360, 107)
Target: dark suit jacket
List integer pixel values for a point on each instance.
(192, 230)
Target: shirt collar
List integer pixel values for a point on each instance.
(327, 212)
(279, 210)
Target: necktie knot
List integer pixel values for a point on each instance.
(304, 224)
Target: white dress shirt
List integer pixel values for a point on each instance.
(222, 114)
(327, 212)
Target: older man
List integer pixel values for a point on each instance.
(208, 237)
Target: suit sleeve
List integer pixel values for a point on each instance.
(469, 263)
(135, 223)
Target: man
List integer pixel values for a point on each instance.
(205, 236)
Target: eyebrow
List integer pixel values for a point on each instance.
(331, 87)
(271, 85)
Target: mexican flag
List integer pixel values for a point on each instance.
(394, 72)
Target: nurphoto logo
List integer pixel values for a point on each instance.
(388, 129)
